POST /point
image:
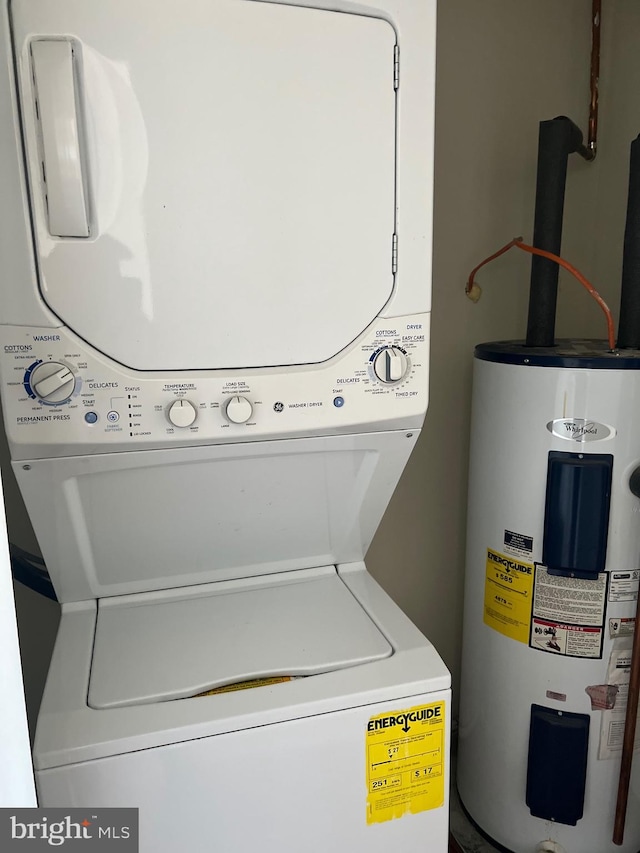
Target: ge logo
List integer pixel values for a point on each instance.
(278, 407)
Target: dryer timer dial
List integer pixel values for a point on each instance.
(52, 382)
(390, 365)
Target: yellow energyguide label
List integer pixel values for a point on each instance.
(405, 753)
(508, 592)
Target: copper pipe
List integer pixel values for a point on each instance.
(596, 13)
(590, 150)
(629, 734)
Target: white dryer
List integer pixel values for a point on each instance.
(215, 229)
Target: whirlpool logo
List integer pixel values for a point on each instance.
(580, 429)
(74, 829)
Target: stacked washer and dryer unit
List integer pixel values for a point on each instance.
(216, 243)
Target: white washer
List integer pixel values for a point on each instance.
(214, 368)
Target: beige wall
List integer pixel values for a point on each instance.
(503, 65)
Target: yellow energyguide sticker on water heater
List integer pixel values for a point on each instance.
(508, 591)
(405, 752)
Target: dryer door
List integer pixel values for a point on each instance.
(212, 183)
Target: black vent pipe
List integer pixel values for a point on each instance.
(558, 138)
(629, 328)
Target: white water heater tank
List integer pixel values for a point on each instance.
(553, 561)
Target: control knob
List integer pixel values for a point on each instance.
(390, 365)
(182, 413)
(239, 410)
(52, 382)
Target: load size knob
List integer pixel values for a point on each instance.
(52, 382)
(239, 410)
(182, 413)
(390, 365)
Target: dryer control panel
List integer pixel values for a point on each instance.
(64, 398)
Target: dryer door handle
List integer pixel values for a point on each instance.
(53, 71)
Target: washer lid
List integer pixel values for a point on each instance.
(177, 643)
(221, 192)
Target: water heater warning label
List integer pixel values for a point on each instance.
(576, 641)
(568, 614)
(507, 596)
(405, 762)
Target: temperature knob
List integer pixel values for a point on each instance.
(239, 410)
(390, 365)
(52, 382)
(182, 413)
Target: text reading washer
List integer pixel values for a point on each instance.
(216, 229)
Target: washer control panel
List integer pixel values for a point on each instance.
(63, 398)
